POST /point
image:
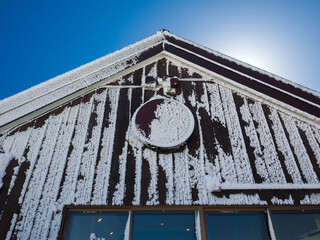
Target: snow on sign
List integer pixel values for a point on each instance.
(163, 124)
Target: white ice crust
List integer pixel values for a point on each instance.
(5, 159)
(172, 126)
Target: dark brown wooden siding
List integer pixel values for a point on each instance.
(84, 153)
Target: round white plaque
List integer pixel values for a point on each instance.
(163, 123)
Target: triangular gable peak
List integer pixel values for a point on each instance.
(245, 149)
(289, 97)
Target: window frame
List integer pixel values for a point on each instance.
(201, 210)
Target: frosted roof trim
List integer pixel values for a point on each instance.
(57, 88)
(281, 79)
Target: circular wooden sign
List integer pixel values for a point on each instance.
(163, 123)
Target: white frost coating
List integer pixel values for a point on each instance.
(172, 126)
(284, 147)
(127, 229)
(198, 162)
(198, 225)
(181, 179)
(241, 160)
(34, 144)
(13, 221)
(224, 164)
(192, 99)
(79, 78)
(194, 175)
(73, 162)
(196, 170)
(277, 201)
(270, 227)
(19, 144)
(251, 132)
(299, 149)
(17, 149)
(237, 199)
(101, 184)
(269, 151)
(6, 142)
(47, 205)
(153, 72)
(151, 157)
(5, 158)
(311, 139)
(204, 99)
(118, 195)
(173, 122)
(89, 154)
(137, 151)
(35, 188)
(13, 179)
(316, 132)
(213, 184)
(216, 104)
(166, 162)
(273, 186)
(313, 199)
(94, 237)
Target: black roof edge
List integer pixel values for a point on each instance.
(275, 93)
(247, 71)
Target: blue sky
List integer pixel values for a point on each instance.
(42, 39)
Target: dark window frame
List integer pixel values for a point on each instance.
(201, 210)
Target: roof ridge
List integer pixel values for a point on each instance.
(61, 86)
(76, 73)
(244, 64)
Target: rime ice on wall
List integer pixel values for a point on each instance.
(241, 160)
(85, 153)
(5, 158)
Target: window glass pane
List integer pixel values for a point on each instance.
(297, 224)
(237, 225)
(103, 225)
(163, 225)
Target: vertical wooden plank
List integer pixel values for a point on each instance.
(69, 182)
(224, 159)
(150, 157)
(195, 163)
(241, 160)
(299, 149)
(182, 194)
(100, 192)
(311, 146)
(166, 164)
(54, 175)
(284, 147)
(35, 188)
(118, 195)
(269, 151)
(133, 148)
(122, 123)
(250, 135)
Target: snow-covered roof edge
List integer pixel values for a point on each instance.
(69, 82)
(60, 87)
(246, 65)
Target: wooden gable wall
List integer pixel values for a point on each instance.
(84, 153)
